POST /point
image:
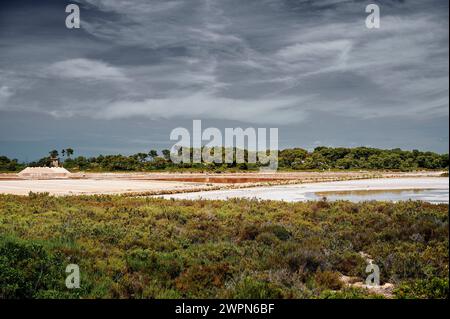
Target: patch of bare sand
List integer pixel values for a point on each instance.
(91, 186)
(386, 290)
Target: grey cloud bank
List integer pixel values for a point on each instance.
(311, 68)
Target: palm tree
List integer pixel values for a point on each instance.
(69, 152)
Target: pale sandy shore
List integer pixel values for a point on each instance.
(171, 183)
(91, 186)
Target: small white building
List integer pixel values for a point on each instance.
(44, 173)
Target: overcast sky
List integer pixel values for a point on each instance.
(136, 69)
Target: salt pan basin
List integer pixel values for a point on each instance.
(432, 189)
(61, 187)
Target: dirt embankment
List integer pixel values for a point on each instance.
(254, 177)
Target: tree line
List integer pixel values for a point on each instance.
(321, 158)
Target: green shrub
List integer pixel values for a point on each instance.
(199, 280)
(27, 270)
(251, 288)
(328, 280)
(435, 288)
(249, 232)
(305, 260)
(279, 231)
(267, 238)
(349, 293)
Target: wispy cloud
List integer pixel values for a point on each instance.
(278, 62)
(85, 69)
(5, 93)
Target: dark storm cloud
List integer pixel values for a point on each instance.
(308, 67)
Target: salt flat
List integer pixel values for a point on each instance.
(89, 186)
(302, 192)
(225, 185)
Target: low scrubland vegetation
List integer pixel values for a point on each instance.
(129, 247)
